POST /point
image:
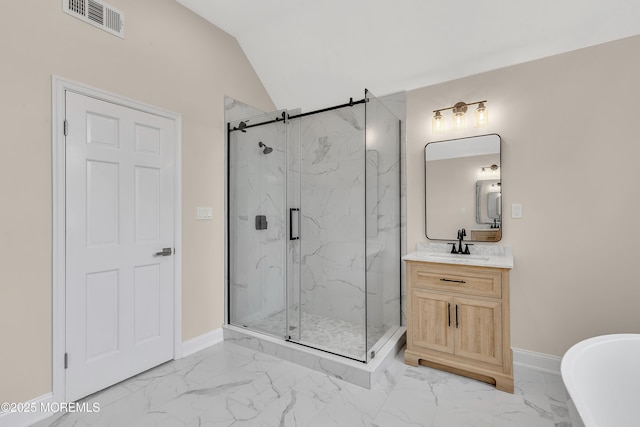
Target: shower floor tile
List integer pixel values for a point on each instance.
(335, 335)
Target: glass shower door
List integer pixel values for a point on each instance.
(328, 182)
(257, 223)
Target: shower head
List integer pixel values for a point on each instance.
(266, 150)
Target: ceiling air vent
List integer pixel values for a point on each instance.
(96, 13)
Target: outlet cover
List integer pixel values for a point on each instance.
(516, 210)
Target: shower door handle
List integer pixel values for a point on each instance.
(291, 222)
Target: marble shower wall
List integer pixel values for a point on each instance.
(337, 252)
(257, 257)
(397, 104)
(332, 245)
(235, 110)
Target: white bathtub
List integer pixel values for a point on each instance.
(602, 375)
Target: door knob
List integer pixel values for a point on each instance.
(164, 252)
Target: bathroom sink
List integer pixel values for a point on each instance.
(448, 258)
(460, 257)
(488, 256)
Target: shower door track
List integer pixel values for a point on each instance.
(285, 116)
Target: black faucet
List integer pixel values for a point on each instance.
(461, 234)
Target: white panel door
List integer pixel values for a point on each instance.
(120, 167)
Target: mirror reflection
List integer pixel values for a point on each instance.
(463, 188)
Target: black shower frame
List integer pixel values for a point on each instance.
(284, 117)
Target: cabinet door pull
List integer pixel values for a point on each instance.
(451, 280)
(456, 315)
(449, 312)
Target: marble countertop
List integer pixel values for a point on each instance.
(481, 255)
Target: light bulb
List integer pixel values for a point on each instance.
(459, 121)
(481, 116)
(437, 123)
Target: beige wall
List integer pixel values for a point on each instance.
(571, 151)
(170, 58)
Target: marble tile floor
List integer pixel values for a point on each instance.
(228, 385)
(340, 336)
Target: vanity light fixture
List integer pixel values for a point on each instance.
(490, 171)
(459, 116)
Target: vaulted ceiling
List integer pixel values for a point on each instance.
(316, 53)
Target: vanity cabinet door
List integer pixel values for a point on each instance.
(479, 330)
(431, 321)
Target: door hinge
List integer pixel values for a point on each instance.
(66, 127)
(66, 360)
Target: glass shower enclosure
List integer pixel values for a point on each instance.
(314, 226)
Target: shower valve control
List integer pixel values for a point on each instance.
(261, 222)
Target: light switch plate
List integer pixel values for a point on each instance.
(204, 213)
(516, 210)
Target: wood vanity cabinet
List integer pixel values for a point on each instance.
(458, 321)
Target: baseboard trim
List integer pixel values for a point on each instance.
(201, 342)
(23, 419)
(537, 361)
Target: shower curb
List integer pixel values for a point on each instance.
(358, 373)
